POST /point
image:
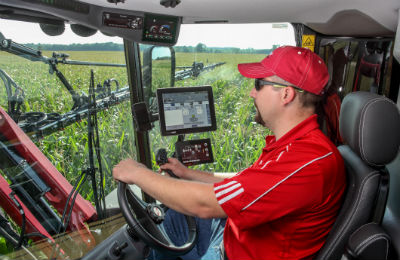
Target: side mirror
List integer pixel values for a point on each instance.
(158, 70)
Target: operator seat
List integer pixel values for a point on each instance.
(370, 127)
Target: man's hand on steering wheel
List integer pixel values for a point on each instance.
(145, 219)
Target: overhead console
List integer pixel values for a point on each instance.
(153, 28)
(131, 25)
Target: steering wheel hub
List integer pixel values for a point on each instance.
(156, 213)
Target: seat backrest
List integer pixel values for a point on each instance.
(391, 219)
(370, 127)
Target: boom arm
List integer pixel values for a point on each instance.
(39, 124)
(57, 58)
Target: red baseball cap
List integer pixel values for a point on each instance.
(299, 66)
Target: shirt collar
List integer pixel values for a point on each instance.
(298, 131)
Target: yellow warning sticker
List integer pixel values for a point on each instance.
(308, 41)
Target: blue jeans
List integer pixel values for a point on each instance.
(210, 234)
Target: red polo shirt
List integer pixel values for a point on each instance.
(283, 206)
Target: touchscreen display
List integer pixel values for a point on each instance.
(186, 110)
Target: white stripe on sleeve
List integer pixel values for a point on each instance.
(231, 196)
(227, 190)
(225, 185)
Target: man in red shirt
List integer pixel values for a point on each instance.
(283, 206)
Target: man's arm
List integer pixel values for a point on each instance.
(188, 197)
(189, 174)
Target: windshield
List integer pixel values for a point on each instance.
(66, 121)
(207, 55)
(68, 142)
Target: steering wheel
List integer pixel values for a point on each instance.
(144, 220)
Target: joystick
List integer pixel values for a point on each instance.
(162, 158)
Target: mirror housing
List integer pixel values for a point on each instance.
(83, 31)
(52, 29)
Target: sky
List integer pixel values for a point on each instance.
(257, 36)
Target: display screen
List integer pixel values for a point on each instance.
(194, 152)
(186, 110)
(160, 28)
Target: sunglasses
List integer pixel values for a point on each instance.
(258, 83)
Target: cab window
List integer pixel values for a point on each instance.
(207, 55)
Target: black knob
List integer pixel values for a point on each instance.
(118, 249)
(162, 158)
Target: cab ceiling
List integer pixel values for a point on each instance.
(331, 17)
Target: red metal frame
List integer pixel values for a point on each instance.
(83, 211)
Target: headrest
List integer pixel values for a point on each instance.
(370, 125)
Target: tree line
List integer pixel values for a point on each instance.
(203, 48)
(111, 46)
